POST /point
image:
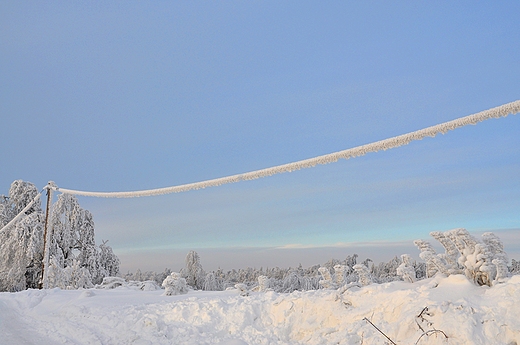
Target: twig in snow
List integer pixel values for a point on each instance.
(420, 316)
(427, 333)
(380, 331)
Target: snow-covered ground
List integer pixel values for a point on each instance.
(466, 313)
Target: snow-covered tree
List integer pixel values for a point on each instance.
(365, 278)
(326, 282)
(76, 276)
(73, 246)
(263, 283)
(21, 245)
(426, 248)
(406, 269)
(108, 261)
(193, 272)
(211, 283)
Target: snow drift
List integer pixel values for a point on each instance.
(407, 313)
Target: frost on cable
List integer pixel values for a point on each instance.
(501, 111)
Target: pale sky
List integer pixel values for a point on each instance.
(123, 96)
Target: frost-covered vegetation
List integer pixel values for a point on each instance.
(483, 262)
(75, 261)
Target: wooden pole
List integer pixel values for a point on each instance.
(49, 193)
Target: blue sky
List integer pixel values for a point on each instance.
(121, 96)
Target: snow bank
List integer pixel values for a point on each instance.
(466, 313)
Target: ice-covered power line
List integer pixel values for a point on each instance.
(400, 140)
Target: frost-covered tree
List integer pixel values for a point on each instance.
(193, 272)
(406, 270)
(263, 283)
(427, 251)
(108, 261)
(21, 193)
(211, 283)
(73, 246)
(365, 278)
(21, 244)
(340, 272)
(76, 276)
(326, 282)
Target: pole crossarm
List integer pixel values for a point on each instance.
(400, 140)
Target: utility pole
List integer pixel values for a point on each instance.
(45, 249)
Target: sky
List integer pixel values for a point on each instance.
(132, 95)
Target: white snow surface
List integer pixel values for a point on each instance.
(466, 313)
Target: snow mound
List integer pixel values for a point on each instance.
(425, 312)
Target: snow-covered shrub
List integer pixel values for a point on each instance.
(365, 278)
(514, 268)
(77, 277)
(426, 248)
(242, 289)
(485, 263)
(116, 282)
(406, 269)
(54, 274)
(211, 283)
(339, 274)
(291, 282)
(147, 285)
(111, 283)
(263, 284)
(174, 284)
(385, 272)
(326, 282)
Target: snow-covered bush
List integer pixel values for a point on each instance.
(76, 277)
(211, 283)
(242, 289)
(326, 282)
(365, 278)
(406, 270)
(263, 284)
(111, 283)
(385, 272)
(514, 268)
(174, 284)
(116, 282)
(485, 263)
(339, 274)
